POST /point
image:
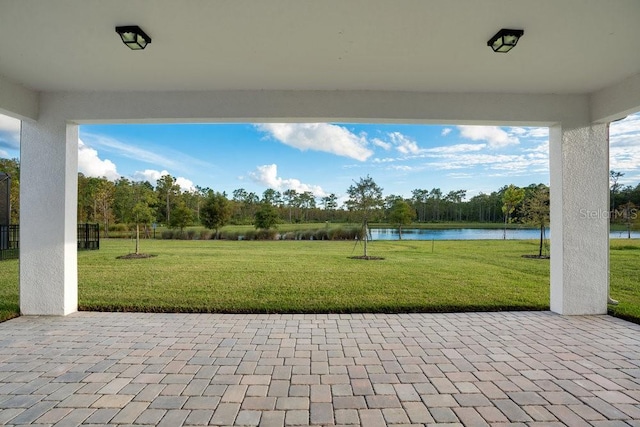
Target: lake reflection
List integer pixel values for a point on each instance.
(471, 234)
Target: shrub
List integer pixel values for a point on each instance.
(307, 234)
(349, 233)
(167, 234)
(266, 235)
(338, 234)
(290, 235)
(231, 235)
(322, 234)
(119, 227)
(189, 235)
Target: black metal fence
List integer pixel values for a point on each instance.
(5, 198)
(88, 239)
(9, 242)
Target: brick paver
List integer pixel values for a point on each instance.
(470, 369)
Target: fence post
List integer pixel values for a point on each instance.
(4, 237)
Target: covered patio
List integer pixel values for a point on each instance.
(575, 69)
(471, 369)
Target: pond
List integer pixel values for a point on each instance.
(471, 234)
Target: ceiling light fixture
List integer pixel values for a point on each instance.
(133, 37)
(505, 40)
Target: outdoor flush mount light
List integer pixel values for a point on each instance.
(133, 37)
(505, 40)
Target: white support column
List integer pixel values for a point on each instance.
(579, 163)
(48, 218)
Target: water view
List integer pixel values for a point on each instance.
(472, 234)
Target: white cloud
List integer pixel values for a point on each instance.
(91, 165)
(624, 146)
(149, 175)
(342, 200)
(10, 125)
(435, 152)
(384, 160)
(380, 143)
(542, 149)
(9, 133)
(185, 184)
(460, 175)
(325, 137)
(129, 151)
(625, 158)
(493, 135)
(445, 131)
(267, 175)
(168, 159)
(403, 168)
(529, 132)
(4, 153)
(153, 176)
(457, 148)
(514, 164)
(630, 124)
(625, 132)
(403, 144)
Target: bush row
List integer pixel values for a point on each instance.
(340, 233)
(223, 235)
(349, 233)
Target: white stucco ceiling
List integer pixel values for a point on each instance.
(569, 46)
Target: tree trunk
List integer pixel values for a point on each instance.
(400, 232)
(366, 237)
(504, 232)
(168, 210)
(137, 239)
(541, 239)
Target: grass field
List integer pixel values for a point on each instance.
(9, 289)
(318, 276)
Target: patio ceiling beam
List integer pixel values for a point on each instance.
(18, 101)
(616, 101)
(317, 106)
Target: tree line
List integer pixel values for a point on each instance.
(165, 203)
(125, 202)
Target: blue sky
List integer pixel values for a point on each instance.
(326, 158)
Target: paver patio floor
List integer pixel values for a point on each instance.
(472, 369)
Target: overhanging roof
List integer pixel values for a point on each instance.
(570, 47)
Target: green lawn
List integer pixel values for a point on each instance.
(318, 276)
(625, 278)
(9, 289)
